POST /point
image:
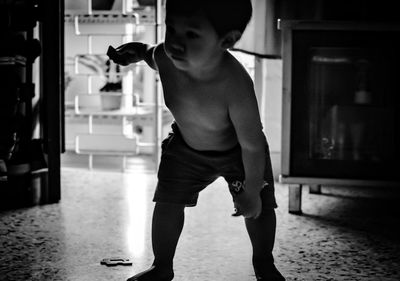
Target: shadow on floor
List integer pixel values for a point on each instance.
(372, 210)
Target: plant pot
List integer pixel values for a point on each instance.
(110, 101)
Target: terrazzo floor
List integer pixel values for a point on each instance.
(344, 233)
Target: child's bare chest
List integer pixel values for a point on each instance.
(200, 109)
(204, 102)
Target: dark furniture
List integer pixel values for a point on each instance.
(341, 105)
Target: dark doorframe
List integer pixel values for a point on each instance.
(52, 92)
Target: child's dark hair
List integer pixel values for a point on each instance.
(224, 15)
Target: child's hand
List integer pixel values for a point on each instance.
(127, 53)
(248, 204)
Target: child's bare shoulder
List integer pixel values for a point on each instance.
(240, 81)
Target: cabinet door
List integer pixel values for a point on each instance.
(345, 107)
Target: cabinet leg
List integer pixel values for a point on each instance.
(315, 189)
(90, 162)
(123, 164)
(295, 198)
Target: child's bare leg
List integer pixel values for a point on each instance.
(168, 220)
(262, 236)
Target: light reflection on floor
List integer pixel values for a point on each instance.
(138, 204)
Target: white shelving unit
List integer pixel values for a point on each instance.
(126, 106)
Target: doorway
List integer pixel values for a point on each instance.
(115, 117)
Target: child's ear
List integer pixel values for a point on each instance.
(230, 39)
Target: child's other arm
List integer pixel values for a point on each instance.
(243, 111)
(133, 52)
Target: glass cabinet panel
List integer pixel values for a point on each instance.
(347, 121)
(341, 107)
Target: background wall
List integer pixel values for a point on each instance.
(269, 91)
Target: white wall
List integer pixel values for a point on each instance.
(268, 86)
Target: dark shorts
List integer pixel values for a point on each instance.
(184, 172)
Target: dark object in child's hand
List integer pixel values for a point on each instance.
(116, 261)
(236, 212)
(112, 53)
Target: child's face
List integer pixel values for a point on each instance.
(191, 42)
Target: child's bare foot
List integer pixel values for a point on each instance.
(153, 274)
(271, 274)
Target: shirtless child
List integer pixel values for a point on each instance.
(217, 129)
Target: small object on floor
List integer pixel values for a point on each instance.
(116, 261)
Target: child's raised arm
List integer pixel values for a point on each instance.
(132, 52)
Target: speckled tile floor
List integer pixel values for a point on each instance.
(344, 234)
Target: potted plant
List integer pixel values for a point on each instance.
(112, 75)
